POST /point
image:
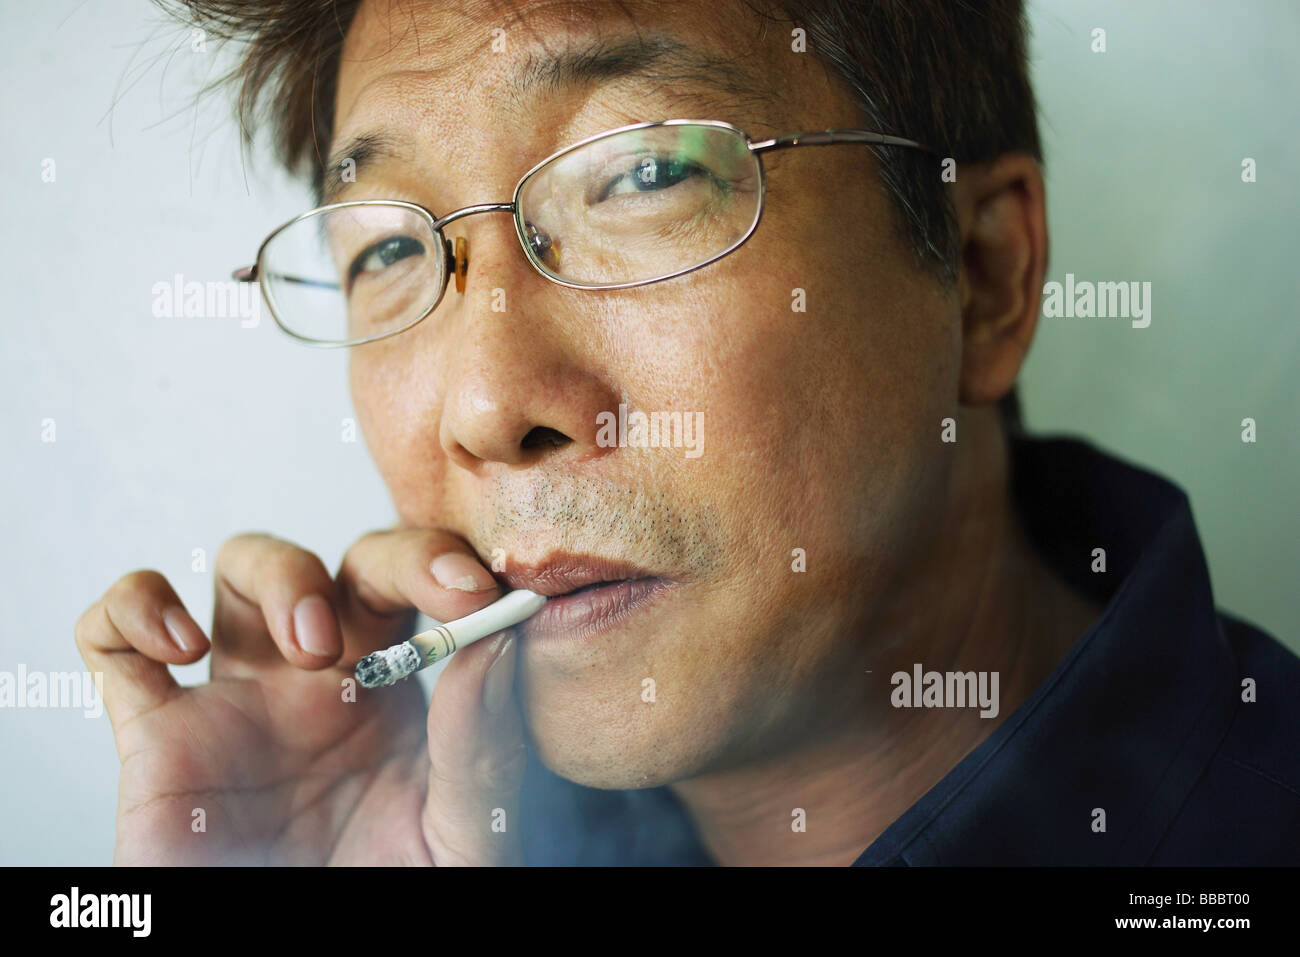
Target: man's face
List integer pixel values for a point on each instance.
(819, 427)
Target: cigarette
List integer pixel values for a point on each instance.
(400, 661)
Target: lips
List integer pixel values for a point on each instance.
(588, 594)
(562, 574)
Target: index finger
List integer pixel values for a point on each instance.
(387, 573)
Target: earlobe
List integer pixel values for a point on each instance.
(1000, 211)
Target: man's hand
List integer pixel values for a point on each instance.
(282, 758)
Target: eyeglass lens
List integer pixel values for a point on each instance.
(640, 205)
(635, 206)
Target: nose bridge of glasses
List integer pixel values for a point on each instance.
(474, 210)
(458, 256)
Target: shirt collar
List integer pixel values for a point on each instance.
(1127, 720)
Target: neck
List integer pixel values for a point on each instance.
(983, 602)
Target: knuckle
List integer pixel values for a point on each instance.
(366, 550)
(377, 556)
(137, 589)
(257, 556)
(436, 541)
(234, 545)
(85, 626)
(370, 539)
(306, 566)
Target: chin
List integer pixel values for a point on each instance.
(600, 752)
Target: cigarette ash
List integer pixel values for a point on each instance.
(388, 666)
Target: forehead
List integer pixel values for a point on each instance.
(444, 69)
(470, 43)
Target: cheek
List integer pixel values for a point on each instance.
(395, 418)
(821, 412)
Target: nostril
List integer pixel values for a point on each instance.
(544, 437)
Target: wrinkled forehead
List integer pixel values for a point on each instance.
(469, 43)
(512, 57)
(472, 94)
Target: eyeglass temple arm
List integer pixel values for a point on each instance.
(831, 137)
(250, 274)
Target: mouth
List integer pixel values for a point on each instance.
(588, 594)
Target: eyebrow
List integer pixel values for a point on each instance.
(682, 73)
(656, 57)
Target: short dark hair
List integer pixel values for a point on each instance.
(952, 74)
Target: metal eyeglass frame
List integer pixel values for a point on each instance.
(455, 263)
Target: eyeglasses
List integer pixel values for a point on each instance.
(627, 207)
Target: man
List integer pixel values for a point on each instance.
(866, 622)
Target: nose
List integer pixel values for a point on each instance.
(524, 383)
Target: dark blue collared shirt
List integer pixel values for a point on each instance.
(1145, 717)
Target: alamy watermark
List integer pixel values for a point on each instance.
(1098, 300)
(654, 430)
(946, 689)
(130, 911)
(52, 689)
(195, 299)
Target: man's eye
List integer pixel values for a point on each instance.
(383, 254)
(651, 173)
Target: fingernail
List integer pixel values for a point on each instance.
(315, 628)
(500, 678)
(183, 630)
(459, 572)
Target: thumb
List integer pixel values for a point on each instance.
(477, 757)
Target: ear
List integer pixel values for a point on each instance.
(1002, 218)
